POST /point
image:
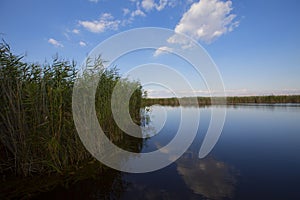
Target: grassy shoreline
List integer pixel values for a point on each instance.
(206, 101)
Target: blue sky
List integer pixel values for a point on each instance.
(254, 43)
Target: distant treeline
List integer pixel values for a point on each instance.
(202, 101)
(38, 135)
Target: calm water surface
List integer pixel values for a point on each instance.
(256, 157)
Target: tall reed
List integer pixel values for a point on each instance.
(36, 124)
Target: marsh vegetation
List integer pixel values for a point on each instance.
(203, 101)
(38, 135)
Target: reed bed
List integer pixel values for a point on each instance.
(38, 134)
(203, 101)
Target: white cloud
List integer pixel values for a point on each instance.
(148, 5)
(145, 6)
(94, 1)
(126, 11)
(76, 31)
(81, 43)
(55, 43)
(162, 4)
(106, 22)
(207, 20)
(162, 50)
(182, 40)
(138, 12)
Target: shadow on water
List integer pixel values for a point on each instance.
(106, 185)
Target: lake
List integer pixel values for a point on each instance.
(256, 157)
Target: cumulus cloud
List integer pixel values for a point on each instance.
(137, 12)
(162, 50)
(82, 43)
(126, 11)
(207, 20)
(150, 4)
(76, 31)
(94, 1)
(106, 22)
(55, 43)
(183, 41)
(145, 6)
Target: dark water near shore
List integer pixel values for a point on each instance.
(256, 157)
